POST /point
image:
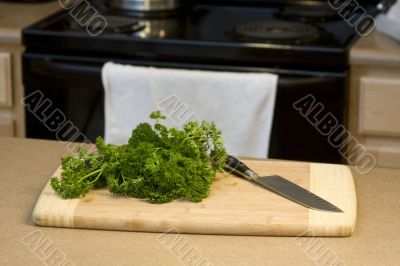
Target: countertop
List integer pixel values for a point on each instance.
(26, 165)
(376, 49)
(15, 17)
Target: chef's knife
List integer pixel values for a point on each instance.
(281, 186)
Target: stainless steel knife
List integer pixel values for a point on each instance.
(281, 186)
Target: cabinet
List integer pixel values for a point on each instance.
(374, 112)
(5, 79)
(14, 18)
(6, 127)
(379, 107)
(11, 91)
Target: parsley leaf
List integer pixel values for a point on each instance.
(159, 164)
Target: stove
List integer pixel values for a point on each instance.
(268, 34)
(305, 44)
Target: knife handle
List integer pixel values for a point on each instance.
(235, 166)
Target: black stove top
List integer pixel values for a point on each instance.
(221, 24)
(270, 34)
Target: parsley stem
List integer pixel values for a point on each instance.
(97, 177)
(90, 174)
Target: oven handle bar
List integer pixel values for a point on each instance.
(55, 69)
(58, 69)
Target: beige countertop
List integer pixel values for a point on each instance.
(376, 49)
(15, 17)
(26, 165)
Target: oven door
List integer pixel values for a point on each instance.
(74, 86)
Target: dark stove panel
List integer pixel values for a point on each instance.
(204, 23)
(206, 33)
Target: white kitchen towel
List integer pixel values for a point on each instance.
(241, 104)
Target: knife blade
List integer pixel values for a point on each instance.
(281, 186)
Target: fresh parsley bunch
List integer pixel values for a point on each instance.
(158, 163)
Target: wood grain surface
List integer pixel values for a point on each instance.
(234, 206)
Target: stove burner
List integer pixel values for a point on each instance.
(277, 31)
(120, 24)
(318, 13)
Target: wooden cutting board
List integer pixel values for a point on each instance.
(234, 206)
